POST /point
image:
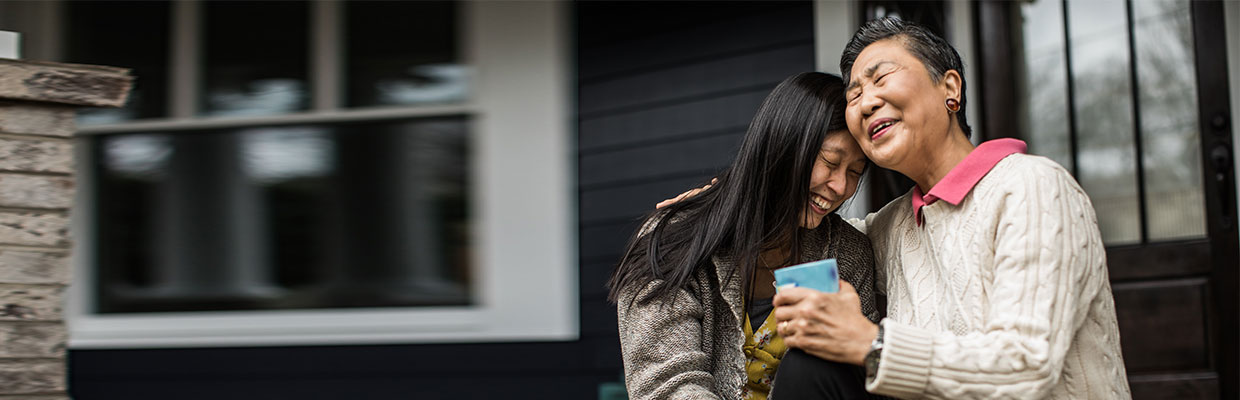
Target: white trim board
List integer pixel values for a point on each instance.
(10, 45)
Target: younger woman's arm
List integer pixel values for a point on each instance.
(661, 344)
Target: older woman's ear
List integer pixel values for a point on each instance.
(953, 85)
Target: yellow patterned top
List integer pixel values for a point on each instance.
(763, 350)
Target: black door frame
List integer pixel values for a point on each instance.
(1214, 112)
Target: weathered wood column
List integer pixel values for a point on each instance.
(37, 103)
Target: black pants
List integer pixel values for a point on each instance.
(803, 376)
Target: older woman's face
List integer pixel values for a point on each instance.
(895, 111)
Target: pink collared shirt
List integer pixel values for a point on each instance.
(961, 179)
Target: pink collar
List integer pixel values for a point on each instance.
(965, 175)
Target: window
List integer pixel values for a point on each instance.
(1109, 93)
(368, 214)
(254, 57)
(389, 64)
(325, 172)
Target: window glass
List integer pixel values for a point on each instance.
(1045, 112)
(129, 34)
(368, 214)
(255, 58)
(401, 61)
(1168, 104)
(1102, 90)
(1105, 125)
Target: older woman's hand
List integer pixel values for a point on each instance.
(827, 325)
(687, 194)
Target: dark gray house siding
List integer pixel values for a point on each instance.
(663, 109)
(665, 92)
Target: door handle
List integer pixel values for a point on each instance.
(1220, 157)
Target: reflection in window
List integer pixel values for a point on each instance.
(129, 34)
(403, 61)
(352, 215)
(1168, 105)
(255, 58)
(286, 153)
(139, 156)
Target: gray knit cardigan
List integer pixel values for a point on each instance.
(691, 348)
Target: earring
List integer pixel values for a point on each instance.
(952, 105)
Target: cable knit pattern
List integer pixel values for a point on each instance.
(1004, 296)
(691, 348)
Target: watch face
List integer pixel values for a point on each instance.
(873, 358)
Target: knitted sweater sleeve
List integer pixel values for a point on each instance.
(1049, 261)
(661, 345)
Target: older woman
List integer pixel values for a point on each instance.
(993, 264)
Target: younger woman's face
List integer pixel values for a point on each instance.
(834, 177)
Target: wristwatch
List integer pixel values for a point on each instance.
(874, 357)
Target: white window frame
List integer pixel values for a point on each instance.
(524, 283)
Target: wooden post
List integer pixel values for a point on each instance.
(37, 104)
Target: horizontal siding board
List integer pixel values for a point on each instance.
(606, 353)
(696, 42)
(605, 242)
(594, 277)
(699, 156)
(730, 113)
(630, 202)
(740, 72)
(601, 316)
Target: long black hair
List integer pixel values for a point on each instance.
(756, 203)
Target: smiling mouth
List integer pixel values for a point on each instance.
(821, 204)
(881, 129)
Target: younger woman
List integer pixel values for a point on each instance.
(694, 288)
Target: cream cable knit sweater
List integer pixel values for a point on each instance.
(1003, 296)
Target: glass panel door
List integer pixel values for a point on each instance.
(1114, 91)
(1109, 92)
